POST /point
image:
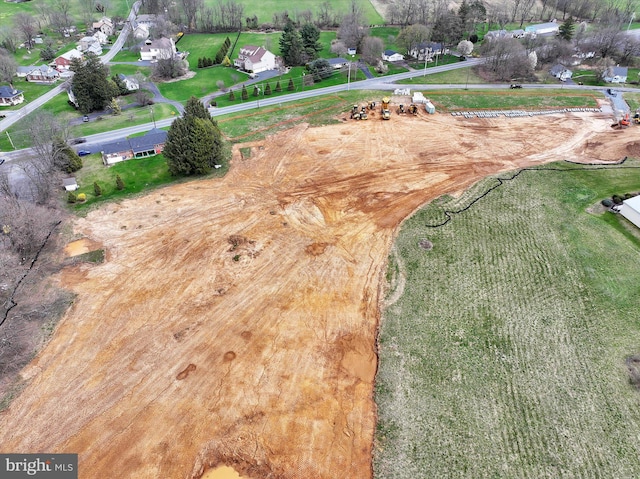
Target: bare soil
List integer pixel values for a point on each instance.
(234, 320)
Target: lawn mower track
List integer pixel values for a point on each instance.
(234, 320)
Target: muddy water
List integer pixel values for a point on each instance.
(222, 472)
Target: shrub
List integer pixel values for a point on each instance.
(267, 90)
(232, 96)
(607, 202)
(199, 62)
(255, 91)
(82, 197)
(244, 95)
(119, 183)
(96, 189)
(278, 87)
(617, 199)
(627, 196)
(71, 197)
(236, 257)
(290, 86)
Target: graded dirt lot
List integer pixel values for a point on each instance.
(234, 320)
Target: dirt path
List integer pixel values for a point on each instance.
(234, 320)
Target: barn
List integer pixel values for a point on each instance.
(630, 209)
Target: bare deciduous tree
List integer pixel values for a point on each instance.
(8, 66)
(26, 28)
(353, 28)
(372, 48)
(507, 59)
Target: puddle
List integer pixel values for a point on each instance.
(81, 246)
(222, 472)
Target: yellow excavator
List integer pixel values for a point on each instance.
(386, 114)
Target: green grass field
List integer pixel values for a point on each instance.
(504, 355)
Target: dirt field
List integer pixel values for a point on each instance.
(234, 321)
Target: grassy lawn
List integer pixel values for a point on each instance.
(452, 77)
(524, 99)
(504, 355)
(129, 70)
(388, 35)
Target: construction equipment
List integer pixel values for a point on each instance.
(413, 109)
(363, 113)
(372, 105)
(623, 122)
(401, 110)
(386, 114)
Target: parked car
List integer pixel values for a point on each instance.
(1, 160)
(85, 118)
(515, 85)
(77, 141)
(84, 152)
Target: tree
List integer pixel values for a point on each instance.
(26, 28)
(267, 89)
(447, 29)
(65, 158)
(291, 46)
(465, 47)
(256, 92)
(48, 53)
(122, 87)
(244, 95)
(320, 69)
(91, 83)
(507, 59)
(567, 29)
(353, 28)
(310, 36)
(8, 66)
(290, 85)
(372, 48)
(119, 183)
(278, 87)
(232, 96)
(143, 97)
(114, 106)
(168, 68)
(96, 189)
(194, 142)
(410, 38)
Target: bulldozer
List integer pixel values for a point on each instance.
(413, 109)
(372, 105)
(386, 114)
(401, 110)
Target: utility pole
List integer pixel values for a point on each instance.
(153, 118)
(12, 145)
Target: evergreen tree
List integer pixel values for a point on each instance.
(291, 86)
(232, 96)
(96, 189)
(119, 183)
(219, 57)
(244, 94)
(291, 45)
(71, 197)
(267, 89)
(226, 62)
(91, 83)
(256, 92)
(48, 53)
(194, 142)
(200, 62)
(310, 36)
(64, 157)
(567, 29)
(278, 87)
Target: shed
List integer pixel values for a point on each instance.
(70, 184)
(542, 28)
(630, 209)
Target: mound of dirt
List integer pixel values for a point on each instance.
(176, 357)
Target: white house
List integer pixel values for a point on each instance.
(140, 31)
(428, 50)
(616, 75)
(130, 82)
(161, 48)
(542, 29)
(561, 72)
(104, 25)
(338, 63)
(255, 59)
(630, 209)
(101, 37)
(392, 56)
(90, 44)
(10, 96)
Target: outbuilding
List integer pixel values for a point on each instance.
(392, 56)
(70, 184)
(630, 209)
(543, 29)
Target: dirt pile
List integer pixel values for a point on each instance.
(234, 320)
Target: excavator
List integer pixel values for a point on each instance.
(386, 114)
(623, 122)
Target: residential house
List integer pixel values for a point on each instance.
(150, 144)
(90, 44)
(351, 51)
(130, 82)
(10, 96)
(392, 56)
(63, 62)
(616, 75)
(630, 209)
(140, 31)
(149, 20)
(21, 72)
(104, 25)
(42, 74)
(337, 63)
(428, 50)
(495, 34)
(162, 48)
(255, 59)
(548, 28)
(561, 72)
(70, 184)
(101, 37)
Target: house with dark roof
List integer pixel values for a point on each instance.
(616, 75)
(150, 144)
(392, 56)
(42, 74)
(255, 59)
(561, 72)
(10, 96)
(428, 50)
(337, 63)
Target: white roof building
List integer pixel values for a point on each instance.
(630, 209)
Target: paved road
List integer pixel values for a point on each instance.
(107, 57)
